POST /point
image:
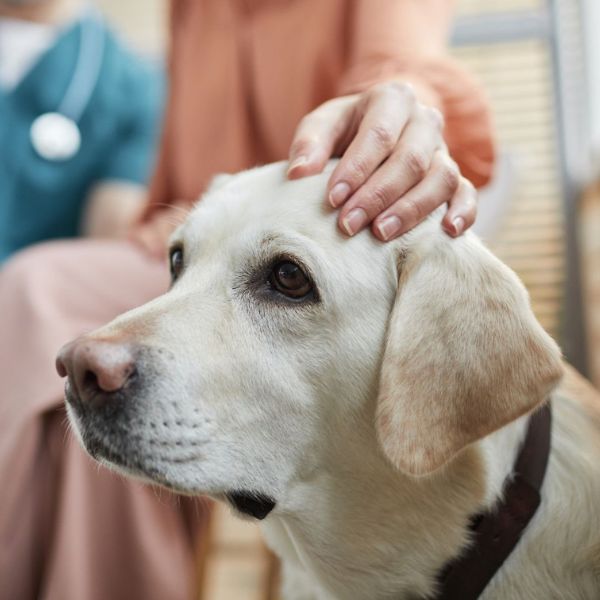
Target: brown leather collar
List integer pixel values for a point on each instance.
(495, 534)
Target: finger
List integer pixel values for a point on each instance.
(438, 187)
(318, 134)
(140, 237)
(462, 209)
(407, 166)
(386, 114)
(160, 241)
(148, 238)
(152, 244)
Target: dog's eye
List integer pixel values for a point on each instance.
(289, 279)
(176, 262)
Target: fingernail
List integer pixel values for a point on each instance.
(297, 162)
(458, 225)
(389, 227)
(339, 194)
(354, 220)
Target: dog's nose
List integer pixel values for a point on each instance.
(96, 367)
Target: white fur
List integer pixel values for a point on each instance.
(253, 394)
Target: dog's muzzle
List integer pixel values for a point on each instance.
(103, 393)
(108, 390)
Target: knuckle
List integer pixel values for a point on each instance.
(313, 122)
(412, 211)
(378, 199)
(383, 137)
(406, 90)
(450, 176)
(434, 116)
(396, 90)
(299, 146)
(379, 90)
(417, 162)
(356, 172)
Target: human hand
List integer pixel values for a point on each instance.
(394, 168)
(153, 235)
(111, 208)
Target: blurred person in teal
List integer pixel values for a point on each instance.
(78, 121)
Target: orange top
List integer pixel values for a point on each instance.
(244, 72)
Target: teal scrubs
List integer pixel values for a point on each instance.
(42, 199)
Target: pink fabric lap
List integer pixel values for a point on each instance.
(54, 292)
(69, 529)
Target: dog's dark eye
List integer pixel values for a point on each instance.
(176, 262)
(289, 279)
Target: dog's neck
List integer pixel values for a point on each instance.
(362, 529)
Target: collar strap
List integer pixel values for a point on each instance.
(495, 534)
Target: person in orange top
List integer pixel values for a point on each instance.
(252, 81)
(341, 67)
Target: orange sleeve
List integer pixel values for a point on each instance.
(407, 40)
(160, 191)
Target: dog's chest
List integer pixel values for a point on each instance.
(309, 571)
(299, 581)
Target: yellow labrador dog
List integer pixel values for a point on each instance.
(368, 402)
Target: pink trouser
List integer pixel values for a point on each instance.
(69, 529)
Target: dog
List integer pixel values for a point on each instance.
(363, 400)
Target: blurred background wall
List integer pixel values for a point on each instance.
(592, 39)
(143, 22)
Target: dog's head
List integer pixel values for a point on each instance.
(281, 344)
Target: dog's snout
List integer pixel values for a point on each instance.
(96, 367)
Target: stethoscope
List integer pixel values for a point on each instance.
(55, 136)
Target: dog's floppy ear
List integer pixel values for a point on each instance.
(464, 354)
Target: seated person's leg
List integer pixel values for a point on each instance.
(67, 529)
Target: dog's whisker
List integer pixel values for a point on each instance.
(173, 222)
(185, 211)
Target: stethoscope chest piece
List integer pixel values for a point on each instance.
(55, 137)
